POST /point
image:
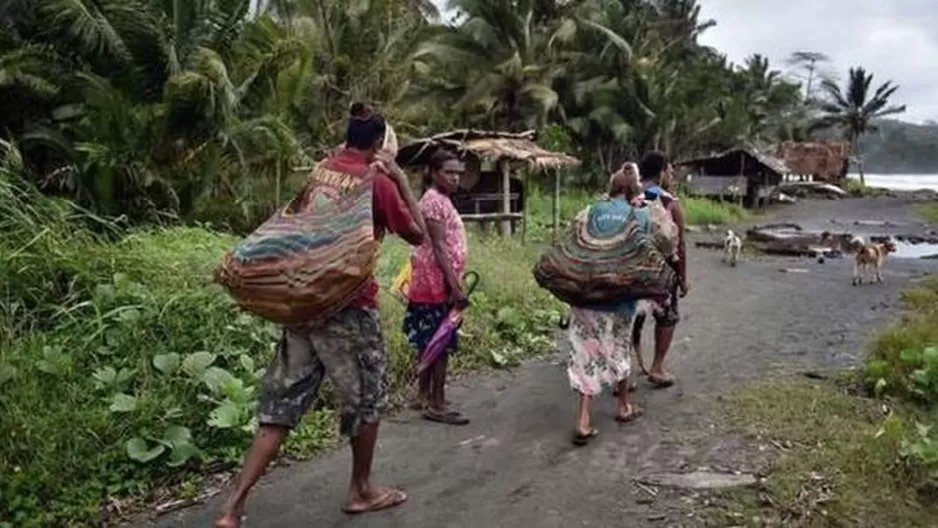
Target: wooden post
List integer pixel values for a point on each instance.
(505, 167)
(524, 203)
(555, 206)
(742, 172)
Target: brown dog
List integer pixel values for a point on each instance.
(871, 256)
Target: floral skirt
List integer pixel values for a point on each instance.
(421, 322)
(599, 348)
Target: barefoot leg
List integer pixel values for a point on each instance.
(265, 447)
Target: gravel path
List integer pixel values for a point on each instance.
(515, 466)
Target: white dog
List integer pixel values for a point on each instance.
(731, 247)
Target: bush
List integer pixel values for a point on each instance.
(123, 369)
(904, 364)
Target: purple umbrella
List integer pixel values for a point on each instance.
(447, 328)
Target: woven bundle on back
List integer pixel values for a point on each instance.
(664, 232)
(312, 257)
(586, 268)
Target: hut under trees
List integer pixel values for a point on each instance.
(498, 165)
(743, 175)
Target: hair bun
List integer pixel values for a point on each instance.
(359, 110)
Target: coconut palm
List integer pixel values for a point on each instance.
(855, 109)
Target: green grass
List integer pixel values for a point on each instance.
(875, 461)
(834, 471)
(929, 212)
(124, 370)
(858, 190)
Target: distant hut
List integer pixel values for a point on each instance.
(493, 188)
(822, 161)
(741, 174)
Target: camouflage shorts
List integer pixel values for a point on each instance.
(349, 348)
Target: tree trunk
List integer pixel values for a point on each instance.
(859, 155)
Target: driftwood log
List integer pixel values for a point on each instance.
(784, 249)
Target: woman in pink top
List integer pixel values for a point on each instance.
(435, 288)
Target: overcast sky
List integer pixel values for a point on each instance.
(896, 40)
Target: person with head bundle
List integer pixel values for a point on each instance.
(436, 288)
(597, 337)
(348, 346)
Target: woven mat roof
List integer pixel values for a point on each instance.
(488, 145)
(825, 158)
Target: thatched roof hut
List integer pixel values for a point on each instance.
(488, 145)
(828, 160)
(735, 172)
(507, 151)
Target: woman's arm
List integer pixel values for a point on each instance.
(438, 242)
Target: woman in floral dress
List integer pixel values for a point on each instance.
(598, 337)
(436, 288)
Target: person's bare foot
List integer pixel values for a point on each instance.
(228, 520)
(377, 499)
(628, 413)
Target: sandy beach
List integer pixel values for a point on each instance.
(514, 465)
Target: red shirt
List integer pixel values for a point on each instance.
(390, 212)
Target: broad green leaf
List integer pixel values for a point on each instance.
(195, 364)
(167, 363)
(247, 363)
(930, 356)
(129, 315)
(124, 375)
(225, 416)
(123, 403)
(215, 378)
(910, 356)
(105, 376)
(137, 449)
(181, 453)
(175, 434)
(7, 373)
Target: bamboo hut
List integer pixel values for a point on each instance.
(498, 165)
(744, 175)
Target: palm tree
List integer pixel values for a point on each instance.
(499, 71)
(855, 110)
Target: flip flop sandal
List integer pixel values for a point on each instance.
(635, 412)
(392, 498)
(580, 439)
(448, 418)
(660, 383)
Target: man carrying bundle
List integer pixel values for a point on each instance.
(657, 174)
(347, 346)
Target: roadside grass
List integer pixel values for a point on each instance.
(858, 190)
(929, 211)
(835, 470)
(848, 459)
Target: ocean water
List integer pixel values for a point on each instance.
(901, 182)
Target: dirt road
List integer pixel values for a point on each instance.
(515, 465)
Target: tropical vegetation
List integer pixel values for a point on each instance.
(199, 110)
(137, 135)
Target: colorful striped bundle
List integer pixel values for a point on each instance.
(592, 266)
(310, 259)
